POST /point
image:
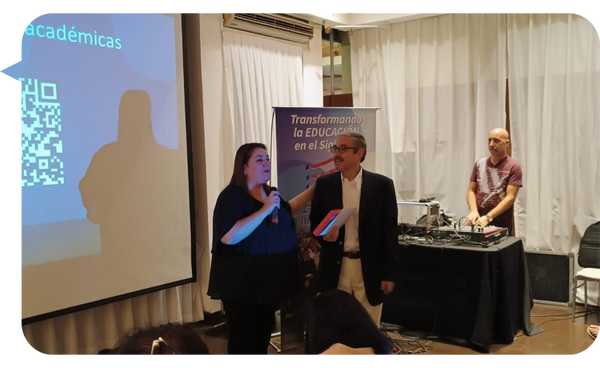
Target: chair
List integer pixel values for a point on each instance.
(588, 257)
(585, 275)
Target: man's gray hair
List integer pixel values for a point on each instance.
(358, 141)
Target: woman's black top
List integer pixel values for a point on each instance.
(262, 268)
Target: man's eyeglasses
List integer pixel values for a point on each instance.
(341, 148)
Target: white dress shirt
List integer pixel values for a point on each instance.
(351, 199)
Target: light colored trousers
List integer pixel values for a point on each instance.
(351, 281)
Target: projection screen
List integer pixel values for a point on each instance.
(106, 200)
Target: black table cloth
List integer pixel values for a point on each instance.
(468, 294)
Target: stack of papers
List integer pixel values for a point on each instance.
(333, 218)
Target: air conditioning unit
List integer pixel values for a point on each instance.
(272, 25)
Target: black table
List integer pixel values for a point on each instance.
(467, 294)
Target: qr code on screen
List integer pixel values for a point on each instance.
(41, 144)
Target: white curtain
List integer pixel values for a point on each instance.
(554, 84)
(260, 73)
(92, 330)
(440, 83)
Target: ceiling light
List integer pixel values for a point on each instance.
(355, 26)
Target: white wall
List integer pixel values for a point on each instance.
(313, 71)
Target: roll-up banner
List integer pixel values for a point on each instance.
(304, 137)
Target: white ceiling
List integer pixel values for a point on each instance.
(355, 20)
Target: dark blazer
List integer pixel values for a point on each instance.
(377, 231)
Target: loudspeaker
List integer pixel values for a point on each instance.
(551, 276)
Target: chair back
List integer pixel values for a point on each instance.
(589, 248)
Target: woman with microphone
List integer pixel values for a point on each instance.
(254, 250)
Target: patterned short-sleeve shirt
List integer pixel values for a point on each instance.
(492, 181)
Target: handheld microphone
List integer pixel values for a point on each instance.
(275, 213)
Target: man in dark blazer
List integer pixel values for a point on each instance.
(358, 257)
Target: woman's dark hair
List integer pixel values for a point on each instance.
(242, 156)
(335, 316)
(168, 339)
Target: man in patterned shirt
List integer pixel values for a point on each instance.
(494, 184)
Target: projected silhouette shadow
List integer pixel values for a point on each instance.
(135, 190)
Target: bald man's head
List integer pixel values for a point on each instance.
(498, 141)
(503, 133)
